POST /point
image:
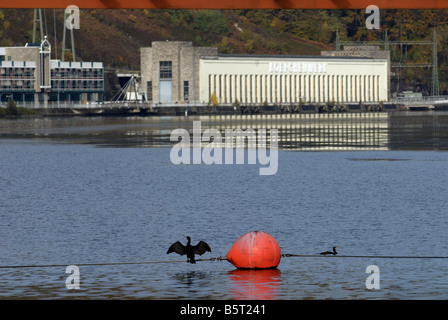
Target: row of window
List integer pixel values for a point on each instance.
(16, 72)
(62, 98)
(17, 96)
(19, 74)
(16, 85)
(76, 73)
(76, 84)
(55, 73)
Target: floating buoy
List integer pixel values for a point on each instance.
(255, 250)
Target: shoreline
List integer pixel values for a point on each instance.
(185, 110)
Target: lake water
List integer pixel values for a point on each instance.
(102, 194)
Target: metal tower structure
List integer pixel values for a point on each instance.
(72, 48)
(38, 19)
(386, 43)
(435, 71)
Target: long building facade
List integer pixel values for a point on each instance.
(288, 79)
(176, 72)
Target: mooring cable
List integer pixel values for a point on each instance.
(104, 263)
(368, 257)
(284, 255)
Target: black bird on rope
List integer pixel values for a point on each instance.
(189, 250)
(330, 252)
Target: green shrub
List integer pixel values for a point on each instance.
(11, 108)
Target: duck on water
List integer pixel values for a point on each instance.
(334, 252)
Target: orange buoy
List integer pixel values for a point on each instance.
(255, 250)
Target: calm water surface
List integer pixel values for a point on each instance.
(102, 194)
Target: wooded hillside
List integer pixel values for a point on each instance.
(114, 36)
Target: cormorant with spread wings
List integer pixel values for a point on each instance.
(189, 250)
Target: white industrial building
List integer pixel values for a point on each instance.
(287, 79)
(170, 75)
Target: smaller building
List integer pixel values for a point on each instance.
(29, 75)
(410, 95)
(170, 71)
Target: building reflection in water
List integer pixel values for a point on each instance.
(251, 284)
(302, 132)
(312, 132)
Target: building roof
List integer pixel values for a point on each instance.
(285, 56)
(32, 44)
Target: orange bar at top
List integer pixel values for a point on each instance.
(227, 4)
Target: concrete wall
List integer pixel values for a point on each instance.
(26, 54)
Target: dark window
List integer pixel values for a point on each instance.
(166, 68)
(186, 90)
(149, 90)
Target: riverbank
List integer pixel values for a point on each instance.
(186, 110)
(11, 110)
(142, 110)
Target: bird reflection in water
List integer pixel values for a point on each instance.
(255, 284)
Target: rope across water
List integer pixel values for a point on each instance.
(285, 255)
